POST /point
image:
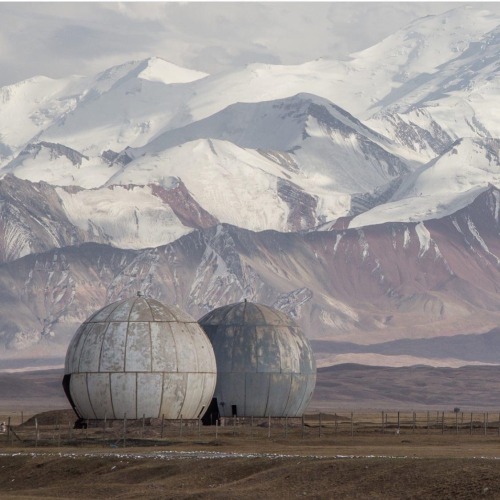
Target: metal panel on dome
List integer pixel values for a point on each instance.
(124, 394)
(206, 362)
(222, 343)
(113, 348)
(160, 312)
(181, 316)
(174, 393)
(230, 390)
(289, 352)
(78, 389)
(122, 311)
(272, 318)
(279, 393)
(100, 395)
(194, 394)
(268, 353)
(244, 353)
(149, 393)
(103, 314)
(256, 393)
(234, 315)
(297, 403)
(253, 315)
(163, 348)
(138, 353)
(310, 383)
(91, 350)
(140, 311)
(187, 360)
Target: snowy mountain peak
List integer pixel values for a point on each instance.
(156, 69)
(443, 186)
(153, 69)
(428, 42)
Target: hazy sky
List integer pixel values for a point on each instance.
(57, 39)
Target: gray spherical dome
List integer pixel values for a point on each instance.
(265, 364)
(139, 357)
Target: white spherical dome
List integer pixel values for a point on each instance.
(139, 357)
(265, 364)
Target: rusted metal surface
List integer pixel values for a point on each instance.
(139, 357)
(265, 364)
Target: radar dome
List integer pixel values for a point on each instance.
(265, 364)
(137, 357)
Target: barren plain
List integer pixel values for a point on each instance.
(372, 439)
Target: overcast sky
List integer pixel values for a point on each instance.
(58, 39)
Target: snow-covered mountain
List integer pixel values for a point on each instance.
(360, 196)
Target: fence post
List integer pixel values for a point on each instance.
(36, 432)
(399, 421)
(216, 427)
(180, 428)
(269, 427)
(286, 427)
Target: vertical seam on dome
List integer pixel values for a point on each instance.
(136, 395)
(150, 348)
(285, 409)
(111, 396)
(222, 320)
(268, 394)
(102, 347)
(193, 340)
(151, 311)
(130, 311)
(202, 396)
(244, 311)
(175, 350)
(125, 349)
(162, 393)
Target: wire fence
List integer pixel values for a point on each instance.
(58, 428)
